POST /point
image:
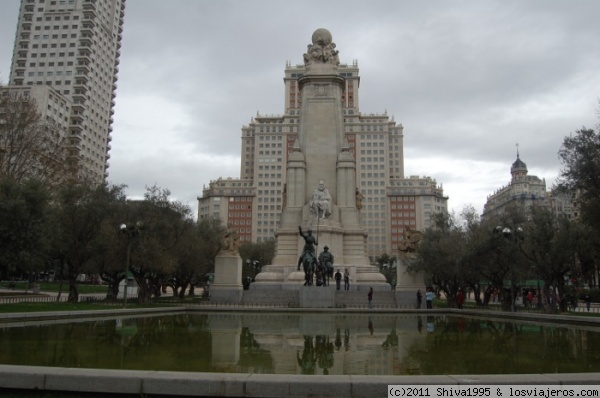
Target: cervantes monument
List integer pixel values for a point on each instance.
(320, 191)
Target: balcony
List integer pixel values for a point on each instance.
(78, 106)
(87, 30)
(79, 98)
(88, 21)
(77, 116)
(80, 86)
(75, 135)
(75, 129)
(85, 42)
(84, 56)
(85, 67)
(81, 75)
(87, 6)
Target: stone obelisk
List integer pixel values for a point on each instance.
(321, 161)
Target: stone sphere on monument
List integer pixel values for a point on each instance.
(322, 37)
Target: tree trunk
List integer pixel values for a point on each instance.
(73, 293)
(144, 291)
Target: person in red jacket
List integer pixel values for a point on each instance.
(460, 299)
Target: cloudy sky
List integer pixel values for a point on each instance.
(467, 79)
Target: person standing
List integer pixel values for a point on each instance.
(346, 279)
(429, 298)
(419, 298)
(460, 299)
(338, 279)
(370, 298)
(588, 301)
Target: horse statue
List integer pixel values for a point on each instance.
(308, 258)
(309, 265)
(325, 272)
(326, 265)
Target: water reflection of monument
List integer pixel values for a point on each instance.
(321, 186)
(320, 344)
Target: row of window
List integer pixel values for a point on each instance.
(237, 215)
(375, 159)
(51, 73)
(52, 55)
(372, 183)
(266, 200)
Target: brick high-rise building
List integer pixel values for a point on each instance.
(73, 47)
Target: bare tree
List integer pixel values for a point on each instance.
(30, 145)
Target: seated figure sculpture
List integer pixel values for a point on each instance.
(320, 201)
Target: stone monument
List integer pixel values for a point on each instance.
(227, 286)
(320, 189)
(408, 284)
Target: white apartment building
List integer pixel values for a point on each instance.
(73, 47)
(377, 143)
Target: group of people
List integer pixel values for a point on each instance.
(338, 279)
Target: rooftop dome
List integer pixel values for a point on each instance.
(518, 165)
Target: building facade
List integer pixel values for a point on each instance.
(527, 191)
(523, 190)
(73, 47)
(389, 202)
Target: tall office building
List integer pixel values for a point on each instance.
(72, 47)
(390, 203)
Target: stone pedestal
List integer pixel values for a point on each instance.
(317, 297)
(407, 285)
(227, 286)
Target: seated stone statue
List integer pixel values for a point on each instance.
(320, 201)
(230, 241)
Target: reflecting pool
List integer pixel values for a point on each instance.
(351, 344)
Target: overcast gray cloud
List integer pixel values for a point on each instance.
(467, 79)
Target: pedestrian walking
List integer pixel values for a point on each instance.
(370, 298)
(419, 298)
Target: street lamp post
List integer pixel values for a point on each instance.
(509, 234)
(132, 231)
